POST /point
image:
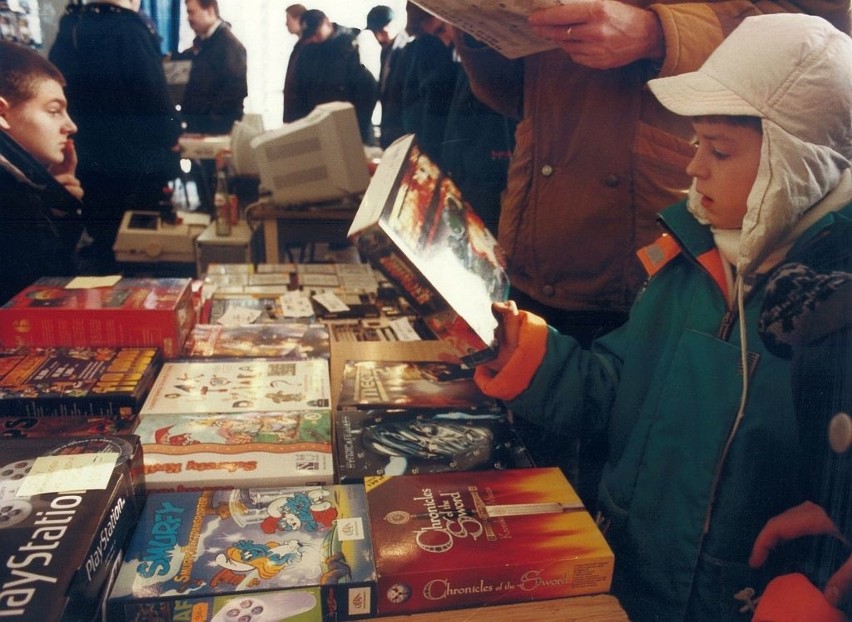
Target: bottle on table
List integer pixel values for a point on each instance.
(222, 203)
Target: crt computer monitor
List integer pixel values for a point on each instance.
(243, 162)
(316, 159)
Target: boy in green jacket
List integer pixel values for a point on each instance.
(703, 444)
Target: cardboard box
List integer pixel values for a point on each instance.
(292, 341)
(413, 441)
(410, 384)
(102, 382)
(239, 386)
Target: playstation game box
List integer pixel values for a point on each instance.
(67, 509)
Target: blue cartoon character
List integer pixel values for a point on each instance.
(308, 511)
(249, 562)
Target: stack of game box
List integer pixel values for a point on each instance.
(408, 417)
(236, 295)
(69, 507)
(216, 555)
(298, 292)
(230, 423)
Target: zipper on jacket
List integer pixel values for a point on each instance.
(727, 325)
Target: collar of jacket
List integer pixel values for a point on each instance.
(841, 217)
(17, 173)
(684, 235)
(105, 7)
(693, 237)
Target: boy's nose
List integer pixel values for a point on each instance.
(695, 168)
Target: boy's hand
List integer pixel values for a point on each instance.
(602, 34)
(807, 519)
(508, 328)
(65, 172)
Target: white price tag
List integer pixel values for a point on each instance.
(238, 316)
(331, 302)
(296, 304)
(403, 329)
(64, 473)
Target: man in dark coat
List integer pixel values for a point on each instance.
(293, 22)
(430, 79)
(217, 86)
(330, 69)
(393, 40)
(127, 125)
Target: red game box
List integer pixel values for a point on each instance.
(131, 313)
(467, 539)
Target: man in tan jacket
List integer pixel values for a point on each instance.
(596, 156)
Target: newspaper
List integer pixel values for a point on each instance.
(501, 24)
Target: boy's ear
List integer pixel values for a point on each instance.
(4, 110)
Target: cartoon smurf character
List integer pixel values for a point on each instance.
(308, 511)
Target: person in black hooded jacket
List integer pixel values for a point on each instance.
(807, 317)
(329, 69)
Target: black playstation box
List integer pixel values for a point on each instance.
(67, 508)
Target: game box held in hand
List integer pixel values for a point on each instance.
(416, 228)
(466, 539)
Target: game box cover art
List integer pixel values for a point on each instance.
(410, 384)
(26, 426)
(464, 539)
(135, 312)
(239, 385)
(237, 450)
(416, 228)
(291, 341)
(69, 506)
(83, 381)
(193, 546)
(412, 441)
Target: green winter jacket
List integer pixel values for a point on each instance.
(666, 387)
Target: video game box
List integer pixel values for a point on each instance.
(67, 509)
